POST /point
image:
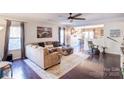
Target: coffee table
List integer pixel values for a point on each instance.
(67, 50)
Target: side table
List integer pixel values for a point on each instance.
(4, 64)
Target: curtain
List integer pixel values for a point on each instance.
(59, 29)
(22, 40)
(6, 40)
(64, 35)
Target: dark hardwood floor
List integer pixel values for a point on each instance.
(97, 67)
(93, 68)
(23, 71)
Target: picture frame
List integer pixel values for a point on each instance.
(115, 33)
(44, 32)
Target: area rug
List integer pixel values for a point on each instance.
(67, 64)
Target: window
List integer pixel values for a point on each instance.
(15, 38)
(62, 36)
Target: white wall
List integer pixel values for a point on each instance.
(31, 32)
(2, 37)
(112, 47)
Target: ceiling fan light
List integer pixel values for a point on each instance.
(1, 28)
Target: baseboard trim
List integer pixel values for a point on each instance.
(113, 54)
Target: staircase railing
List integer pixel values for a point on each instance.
(112, 39)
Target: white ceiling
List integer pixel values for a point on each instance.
(61, 18)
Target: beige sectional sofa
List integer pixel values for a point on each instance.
(41, 56)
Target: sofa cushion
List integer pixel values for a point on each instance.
(56, 44)
(48, 46)
(48, 43)
(41, 44)
(34, 46)
(51, 50)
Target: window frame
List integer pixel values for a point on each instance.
(14, 38)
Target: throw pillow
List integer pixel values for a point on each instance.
(48, 46)
(41, 44)
(56, 44)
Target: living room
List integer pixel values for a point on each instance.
(83, 52)
(51, 53)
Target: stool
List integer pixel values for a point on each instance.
(104, 48)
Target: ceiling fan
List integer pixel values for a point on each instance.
(75, 17)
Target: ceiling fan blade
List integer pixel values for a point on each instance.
(79, 18)
(79, 14)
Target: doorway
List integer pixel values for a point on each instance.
(78, 37)
(88, 36)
